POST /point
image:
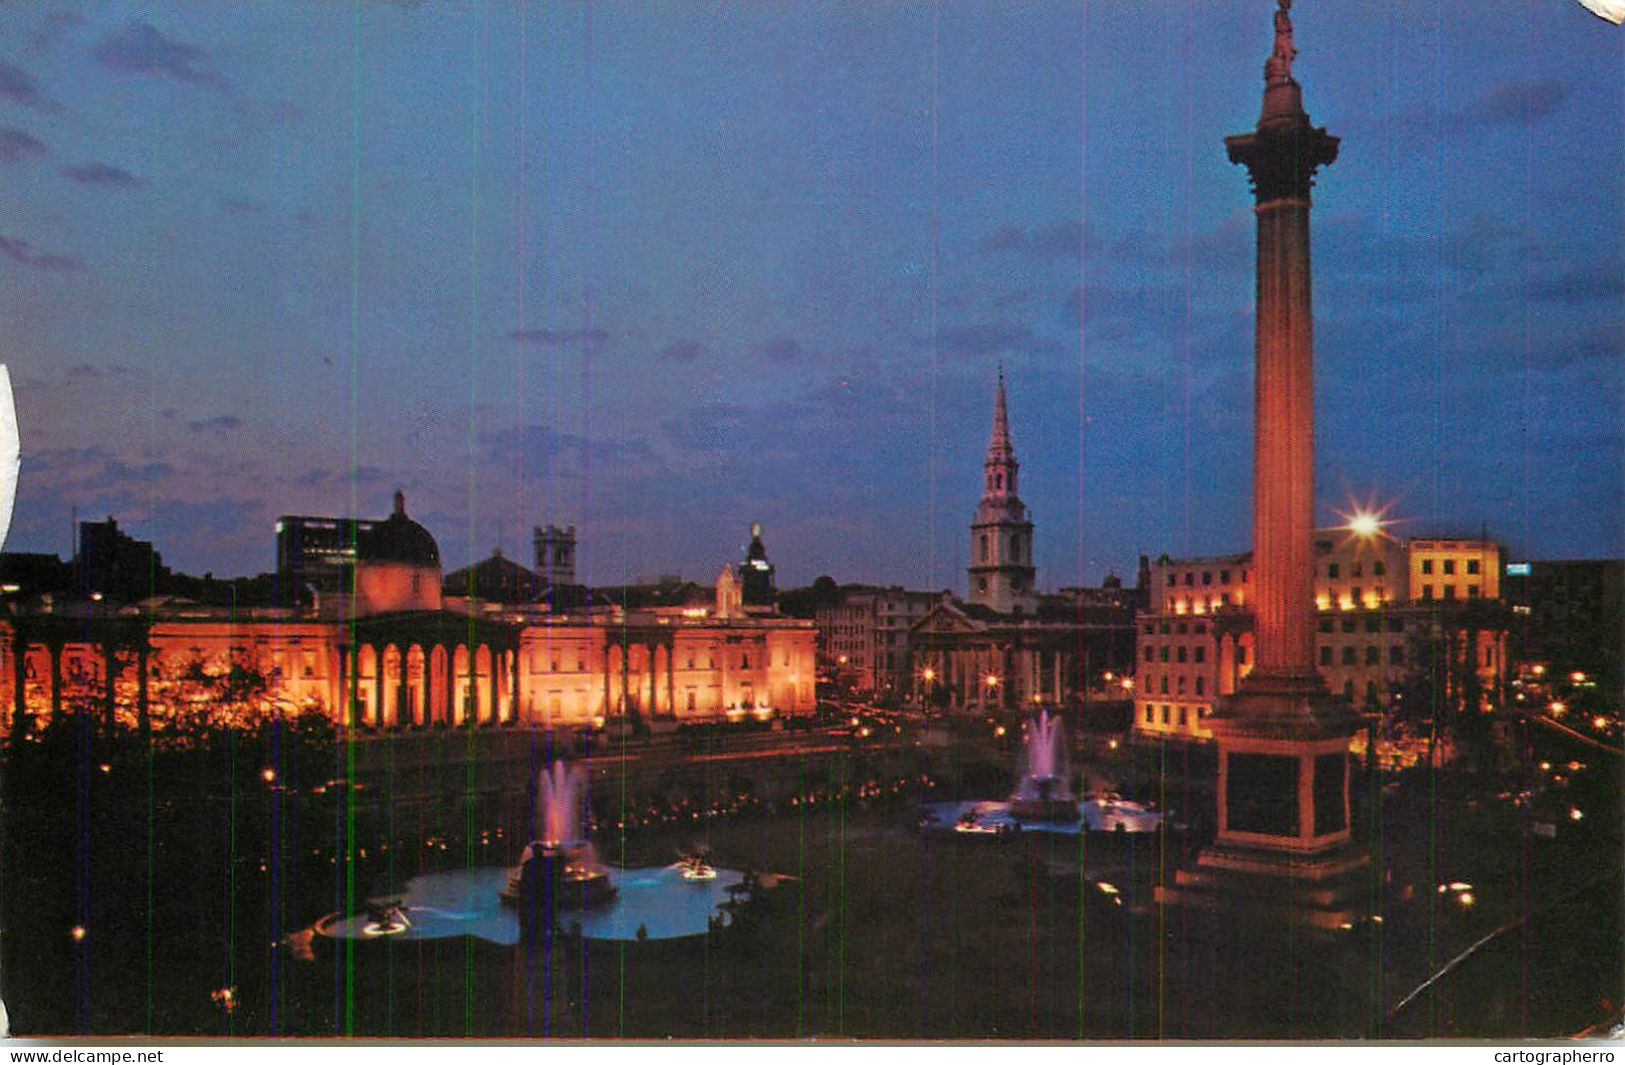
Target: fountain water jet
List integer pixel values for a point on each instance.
(558, 870)
(1044, 792)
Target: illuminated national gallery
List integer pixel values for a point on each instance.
(366, 620)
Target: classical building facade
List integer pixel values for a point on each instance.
(1006, 647)
(394, 652)
(1196, 641)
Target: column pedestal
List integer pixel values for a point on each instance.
(1283, 854)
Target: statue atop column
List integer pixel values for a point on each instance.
(1278, 68)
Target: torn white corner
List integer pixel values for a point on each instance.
(10, 453)
(1612, 10)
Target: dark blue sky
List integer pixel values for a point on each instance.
(662, 269)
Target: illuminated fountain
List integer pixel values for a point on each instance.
(696, 866)
(557, 872)
(559, 869)
(1044, 793)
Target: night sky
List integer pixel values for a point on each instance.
(663, 269)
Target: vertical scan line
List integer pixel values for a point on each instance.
(344, 844)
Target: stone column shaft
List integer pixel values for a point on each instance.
(1283, 447)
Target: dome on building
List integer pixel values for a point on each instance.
(398, 539)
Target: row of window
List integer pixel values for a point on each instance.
(1449, 591)
(1197, 653)
(1181, 628)
(1166, 712)
(1159, 685)
(1373, 623)
(1373, 655)
(1449, 566)
(1333, 569)
(1207, 577)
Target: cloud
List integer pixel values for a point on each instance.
(1063, 240)
(17, 146)
(23, 252)
(102, 174)
(1599, 279)
(19, 86)
(220, 423)
(238, 206)
(681, 351)
(1510, 103)
(781, 349)
(1517, 103)
(139, 48)
(592, 338)
(991, 338)
(91, 468)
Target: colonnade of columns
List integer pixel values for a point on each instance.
(55, 648)
(431, 683)
(989, 677)
(622, 696)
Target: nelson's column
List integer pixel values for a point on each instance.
(1283, 848)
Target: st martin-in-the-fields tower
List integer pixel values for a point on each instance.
(1001, 537)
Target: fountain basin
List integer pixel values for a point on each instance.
(558, 876)
(468, 902)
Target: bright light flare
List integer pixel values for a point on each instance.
(1364, 523)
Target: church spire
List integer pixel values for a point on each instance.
(999, 448)
(1001, 570)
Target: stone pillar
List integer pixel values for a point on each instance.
(109, 678)
(515, 702)
(494, 713)
(54, 652)
(626, 676)
(671, 678)
(143, 710)
(352, 713)
(450, 709)
(1281, 157)
(377, 687)
(654, 681)
(19, 677)
(1274, 857)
